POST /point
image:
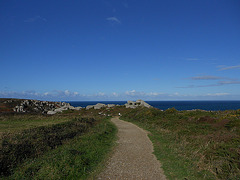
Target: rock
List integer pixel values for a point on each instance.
(41, 106)
(78, 108)
(111, 105)
(143, 103)
(89, 107)
(51, 112)
(71, 107)
(132, 104)
(99, 106)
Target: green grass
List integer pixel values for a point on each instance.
(77, 159)
(33, 142)
(18, 122)
(35, 146)
(193, 144)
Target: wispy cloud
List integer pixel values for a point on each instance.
(206, 78)
(218, 94)
(34, 19)
(113, 20)
(228, 82)
(101, 96)
(219, 83)
(222, 68)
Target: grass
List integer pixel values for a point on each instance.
(68, 145)
(189, 144)
(77, 159)
(193, 144)
(11, 123)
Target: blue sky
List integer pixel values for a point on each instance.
(120, 49)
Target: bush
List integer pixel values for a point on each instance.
(171, 110)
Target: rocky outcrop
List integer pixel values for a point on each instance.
(111, 105)
(132, 104)
(63, 108)
(89, 107)
(97, 106)
(100, 105)
(45, 107)
(36, 106)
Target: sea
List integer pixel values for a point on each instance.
(179, 105)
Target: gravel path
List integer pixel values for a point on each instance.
(132, 158)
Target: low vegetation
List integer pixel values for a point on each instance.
(13, 122)
(68, 145)
(193, 144)
(73, 144)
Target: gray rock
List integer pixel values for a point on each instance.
(51, 112)
(132, 104)
(99, 106)
(71, 107)
(143, 103)
(41, 106)
(78, 108)
(89, 107)
(111, 105)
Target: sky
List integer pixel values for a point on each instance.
(120, 49)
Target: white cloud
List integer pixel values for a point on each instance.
(153, 94)
(132, 92)
(67, 92)
(115, 94)
(222, 68)
(206, 78)
(218, 94)
(228, 82)
(101, 94)
(128, 95)
(219, 83)
(114, 20)
(46, 93)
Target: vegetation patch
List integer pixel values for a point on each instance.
(193, 144)
(33, 142)
(17, 122)
(76, 159)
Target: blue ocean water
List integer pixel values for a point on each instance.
(179, 105)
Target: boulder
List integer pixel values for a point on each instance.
(143, 103)
(78, 108)
(132, 104)
(51, 112)
(71, 107)
(111, 105)
(99, 106)
(89, 107)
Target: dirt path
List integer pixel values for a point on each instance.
(133, 158)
